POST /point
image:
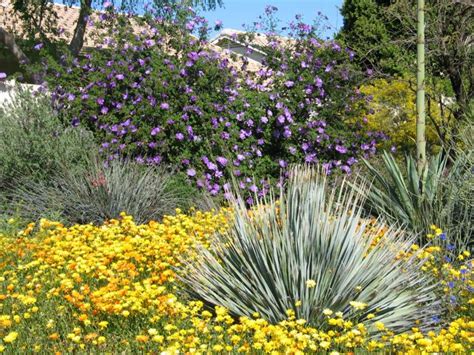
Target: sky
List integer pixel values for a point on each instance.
(234, 13)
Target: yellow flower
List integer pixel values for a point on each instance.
(11, 337)
(142, 338)
(325, 344)
(379, 325)
(310, 283)
(158, 338)
(103, 324)
(358, 305)
(370, 316)
(152, 331)
(327, 312)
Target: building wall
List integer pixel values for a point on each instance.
(9, 88)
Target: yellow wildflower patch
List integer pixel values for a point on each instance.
(113, 289)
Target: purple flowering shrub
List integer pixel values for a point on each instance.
(159, 94)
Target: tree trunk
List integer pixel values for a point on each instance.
(420, 91)
(78, 38)
(8, 40)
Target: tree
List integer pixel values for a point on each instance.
(367, 31)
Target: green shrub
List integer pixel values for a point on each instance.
(34, 145)
(314, 235)
(102, 193)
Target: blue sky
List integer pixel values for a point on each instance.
(234, 13)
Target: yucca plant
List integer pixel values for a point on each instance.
(268, 260)
(101, 193)
(404, 197)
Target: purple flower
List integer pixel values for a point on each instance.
(289, 83)
(71, 97)
(165, 106)
(3, 75)
(107, 4)
(104, 110)
(282, 163)
(351, 161)
(341, 149)
(217, 25)
(179, 136)
(222, 161)
(155, 131)
(119, 76)
(310, 158)
(191, 172)
(149, 42)
(318, 82)
(100, 101)
(190, 25)
(346, 169)
(75, 122)
(38, 46)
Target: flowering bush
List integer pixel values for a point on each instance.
(113, 288)
(157, 93)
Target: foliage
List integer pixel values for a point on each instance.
(392, 109)
(162, 95)
(383, 33)
(111, 288)
(404, 197)
(35, 145)
(367, 31)
(308, 252)
(101, 193)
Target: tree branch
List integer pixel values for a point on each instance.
(7, 39)
(77, 41)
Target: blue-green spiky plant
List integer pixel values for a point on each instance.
(313, 232)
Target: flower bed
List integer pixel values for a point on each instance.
(113, 288)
